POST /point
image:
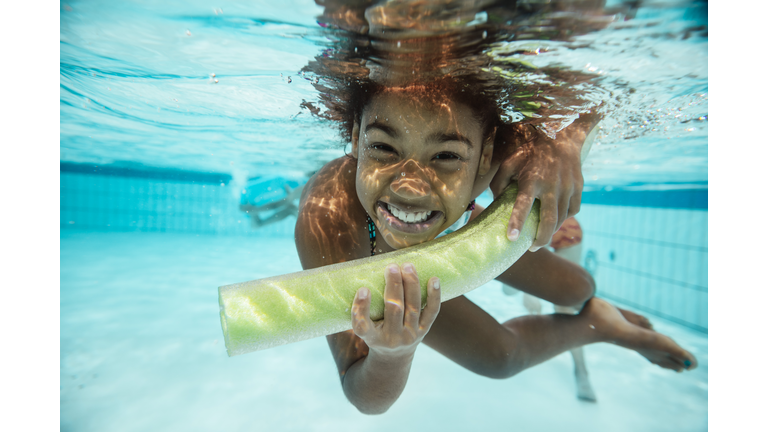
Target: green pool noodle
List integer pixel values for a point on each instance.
(289, 308)
(265, 313)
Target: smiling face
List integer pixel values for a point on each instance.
(417, 160)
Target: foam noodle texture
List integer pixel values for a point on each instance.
(269, 312)
(274, 311)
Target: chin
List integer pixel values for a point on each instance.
(403, 241)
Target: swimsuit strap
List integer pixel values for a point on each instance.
(372, 235)
(372, 228)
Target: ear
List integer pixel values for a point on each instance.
(487, 154)
(355, 137)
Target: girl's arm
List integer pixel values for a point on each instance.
(374, 359)
(548, 276)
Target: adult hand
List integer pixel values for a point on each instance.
(404, 324)
(549, 170)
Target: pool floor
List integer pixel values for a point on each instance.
(142, 350)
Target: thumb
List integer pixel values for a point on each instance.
(508, 171)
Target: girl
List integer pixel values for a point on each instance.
(420, 155)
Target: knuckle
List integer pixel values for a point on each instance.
(574, 209)
(549, 219)
(361, 327)
(550, 196)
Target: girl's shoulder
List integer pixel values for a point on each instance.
(331, 226)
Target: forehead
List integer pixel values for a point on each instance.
(418, 110)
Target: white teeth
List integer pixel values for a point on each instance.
(409, 217)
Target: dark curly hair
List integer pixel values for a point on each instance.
(480, 66)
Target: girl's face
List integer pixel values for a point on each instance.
(417, 162)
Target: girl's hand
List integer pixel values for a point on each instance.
(404, 324)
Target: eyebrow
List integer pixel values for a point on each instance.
(437, 137)
(441, 137)
(382, 127)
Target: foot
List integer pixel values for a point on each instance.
(636, 319)
(584, 388)
(612, 326)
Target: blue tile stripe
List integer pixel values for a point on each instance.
(652, 276)
(146, 173)
(678, 198)
(650, 242)
(654, 312)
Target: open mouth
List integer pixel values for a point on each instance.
(410, 222)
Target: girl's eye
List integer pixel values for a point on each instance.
(383, 147)
(447, 156)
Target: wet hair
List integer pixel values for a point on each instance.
(474, 68)
(460, 91)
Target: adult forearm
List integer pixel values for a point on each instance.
(375, 382)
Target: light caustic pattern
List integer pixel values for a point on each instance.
(269, 312)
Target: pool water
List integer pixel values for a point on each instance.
(142, 349)
(173, 113)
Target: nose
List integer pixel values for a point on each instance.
(411, 181)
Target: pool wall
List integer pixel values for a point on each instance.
(646, 249)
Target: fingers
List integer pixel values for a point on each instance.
(393, 299)
(404, 323)
(574, 204)
(547, 223)
(507, 172)
(361, 313)
(432, 308)
(412, 296)
(520, 212)
(563, 208)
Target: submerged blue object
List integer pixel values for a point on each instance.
(261, 191)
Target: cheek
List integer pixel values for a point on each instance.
(368, 183)
(455, 182)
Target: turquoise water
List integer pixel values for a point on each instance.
(156, 154)
(137, 88)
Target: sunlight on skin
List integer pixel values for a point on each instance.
(419, 153)
(354, 346)
(321, 209)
